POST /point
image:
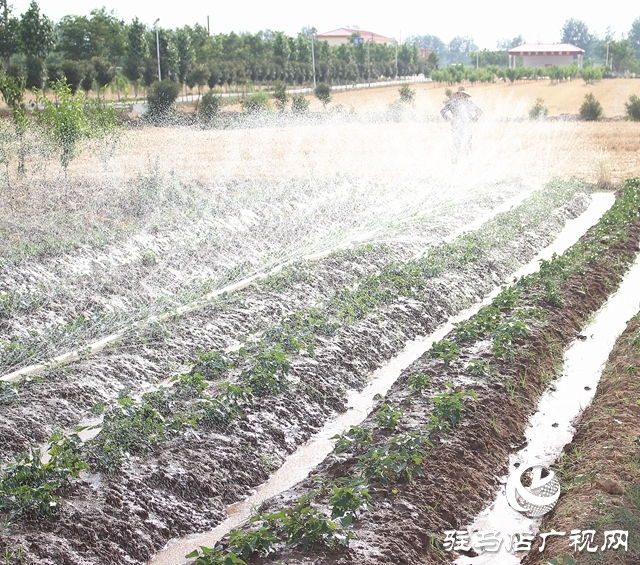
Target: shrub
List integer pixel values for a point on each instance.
(258, 103)
(299, 105)
(280, 94)
(538, 111)
(407, 94)
(448, 408)
(323, 93)
(633, 108)
(591, 109)
(209, 106)
(161, 98)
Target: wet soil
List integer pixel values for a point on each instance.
(461, 474)
(184, 485)
(600, 468)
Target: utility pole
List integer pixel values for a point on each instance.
(313, 55)
(155, 24)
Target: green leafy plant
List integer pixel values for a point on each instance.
(479, 368)
(65, 122)
(388, 416)
(213, 364)
(448, 408)
(418, 381)
(446, 350)
(347, 501)
(400, 459)
(268, 375)
(355, 440)
(29, 486)
(127, 428)
(591, 109)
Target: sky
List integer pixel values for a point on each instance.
(486, 22)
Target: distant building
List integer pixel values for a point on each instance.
(424, 53)
(343, 35)
(546, 54)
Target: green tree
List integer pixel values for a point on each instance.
(65, 122)
(88, 77)
(577, 33)
(74, 37)
(73, 74)
(36, 33)
(107, 35)
(209, 107)
(12, 89)
(8, 33)
(185, 52)
(634, 37)
(621, 55)
(137, 52)
(104, 72)
(36, 73)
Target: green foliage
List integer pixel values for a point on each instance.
(355, 440)
(388, 416)
(349, 500)
(591, 109)
(632, 108)
(104, 127)
(538, 111)
(446, 350)
(161, 98)
(307, 527)
(212, 365)
(65, 121)
(258, 103)
(280, 94)
(29, 487)
(448, 408)
(209, 106)
(127, 428)
(418, 381)
(591, 75)
(323, 93)
(479, 368)
(407, 94)
(400, 459)
(268, 375)
(505, 337)
(223, 406)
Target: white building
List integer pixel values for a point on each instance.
(546, 55)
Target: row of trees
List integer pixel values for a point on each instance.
(90, 52)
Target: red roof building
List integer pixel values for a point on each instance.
(343, 35)
(546, 54)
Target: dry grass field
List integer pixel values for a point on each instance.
(506, 144)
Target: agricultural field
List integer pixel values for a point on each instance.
(182, 310)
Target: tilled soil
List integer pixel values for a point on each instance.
(600, 468)
(183, 485)
(461, 475)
